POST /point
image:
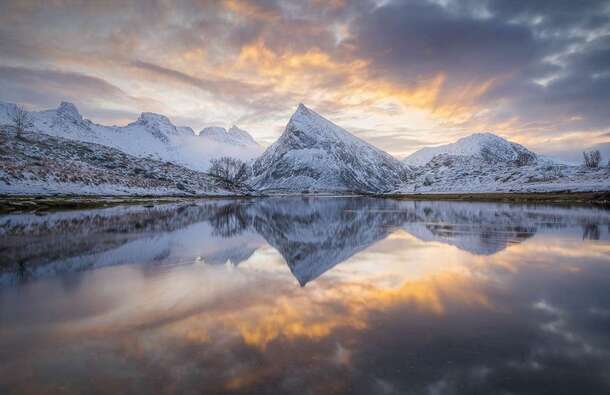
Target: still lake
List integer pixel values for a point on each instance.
(306, 296)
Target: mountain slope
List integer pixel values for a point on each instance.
(150, 136)
(37, 163)
(461, 174)
(313, 154)
(483, 146)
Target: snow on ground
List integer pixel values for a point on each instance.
(464, 174)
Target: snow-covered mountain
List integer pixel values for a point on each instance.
(482, 146)
(234, 136)
(313, 154)
(151, 136)
(484, 162)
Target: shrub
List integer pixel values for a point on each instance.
(592, 158)
(21, 120)
(229, 169)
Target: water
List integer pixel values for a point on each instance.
(294, 295)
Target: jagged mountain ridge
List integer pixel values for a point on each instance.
(315, 155)
(484, 146)
(150, 136)
(234, 136)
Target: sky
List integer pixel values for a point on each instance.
(399, 74)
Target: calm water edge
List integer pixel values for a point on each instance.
(306, 295)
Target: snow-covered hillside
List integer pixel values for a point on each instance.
(150, 136)
(313, 154)
(461, 174)
(482, 146)
(37, 163)
(484, 162)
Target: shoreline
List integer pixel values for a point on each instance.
(48, 203)
(598, 198)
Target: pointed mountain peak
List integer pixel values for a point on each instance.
(302, 112)
(306, 122)
(302, 108)
(69, 110)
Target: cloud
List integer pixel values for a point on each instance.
(43, 88)
(531, 71)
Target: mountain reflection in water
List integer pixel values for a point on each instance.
(394, 297)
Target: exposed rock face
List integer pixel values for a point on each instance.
(313, 154)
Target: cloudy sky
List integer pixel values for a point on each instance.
(400, 74)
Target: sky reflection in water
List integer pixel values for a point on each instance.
(294, 295)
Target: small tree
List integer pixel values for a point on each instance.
(21, 121)
(229, 169)
(592, 158)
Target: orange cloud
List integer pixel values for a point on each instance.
(318, 76)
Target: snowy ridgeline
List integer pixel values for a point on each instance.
(313, 155)
(150, 136)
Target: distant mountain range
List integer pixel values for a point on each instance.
(151, 136)
(313, 155)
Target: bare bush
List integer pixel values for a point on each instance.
(592, 158)
(556, 171)
(229, 169)
(21, 121)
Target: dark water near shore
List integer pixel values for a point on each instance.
(295, 295)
